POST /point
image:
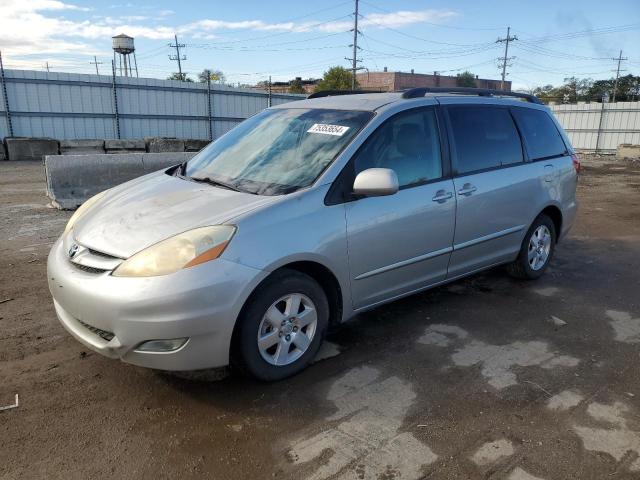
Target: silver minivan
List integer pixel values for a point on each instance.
(305, 215)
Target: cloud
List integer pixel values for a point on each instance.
(42, 27)
(374, 20)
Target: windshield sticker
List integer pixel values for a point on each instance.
(326, 129)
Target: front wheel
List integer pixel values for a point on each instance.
(537, 250)
(281, 328)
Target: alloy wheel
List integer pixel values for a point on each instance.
(287, 329)
(539, 248)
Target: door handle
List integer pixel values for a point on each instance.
(441, 196)
(467, 189)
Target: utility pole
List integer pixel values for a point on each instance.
(7, 111)
(46, 65)
(506, 58)
(177, 56)
(620, 59)
(354, 60)
(96, 63)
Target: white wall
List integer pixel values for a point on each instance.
(620, 124)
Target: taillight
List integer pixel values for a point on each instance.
(576, 163)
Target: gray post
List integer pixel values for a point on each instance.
(354, 63)
(116, 116)
(136, 63)
(6, 98)
(506, 58)
(615, 85)
(210, 127)
(600, 126)
(269, 94)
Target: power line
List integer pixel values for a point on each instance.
(506, 58)
(96, 63)
(582, 33)
(386, 27)
(221, 46)
(615, 85)
(177, 56)
(306, 27)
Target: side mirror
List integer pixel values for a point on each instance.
(376, 182)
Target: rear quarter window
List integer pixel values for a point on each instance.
(484, 137)
(542, 138)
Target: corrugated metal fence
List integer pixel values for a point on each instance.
(75, 106)
(69, 106)
(600, 126)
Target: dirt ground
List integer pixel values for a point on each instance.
(484, 378)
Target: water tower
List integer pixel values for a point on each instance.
(123, 47)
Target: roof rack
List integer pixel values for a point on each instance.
(333, 93)
(481, 92)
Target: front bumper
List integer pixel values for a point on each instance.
(201, 303)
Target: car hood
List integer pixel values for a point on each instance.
(142, 212)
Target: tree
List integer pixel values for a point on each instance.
(577, 88)
(544, 93)
(295, 86)
(466, 79)
(216, 76)
(180, 77)
(628, 88)
(336, 78)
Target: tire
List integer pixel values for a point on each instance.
(528, 268)
(263, 316)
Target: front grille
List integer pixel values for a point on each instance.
(92, 261)
(101, 333)
(84, 268)
(101, 254)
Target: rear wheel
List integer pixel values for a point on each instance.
(537, 250)
(282, 326)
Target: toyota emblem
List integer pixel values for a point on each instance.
(73, 250)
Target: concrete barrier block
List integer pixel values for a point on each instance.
(124, 146)
(72, 179)
(81, 147)
(195, 145)
(626, 150)
(3, 154)
(161, 144)
(30, 148)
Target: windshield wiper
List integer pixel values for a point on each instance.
(216, 183)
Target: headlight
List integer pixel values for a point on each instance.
(182, 251)
(82, 209)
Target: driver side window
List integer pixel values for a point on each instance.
(407, 143)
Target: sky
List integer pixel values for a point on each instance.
(252, 40)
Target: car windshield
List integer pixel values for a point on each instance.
(277, 151)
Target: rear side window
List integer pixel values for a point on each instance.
(540, 133)
(484, 137)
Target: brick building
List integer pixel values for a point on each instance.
(309, 85)
(388, 81)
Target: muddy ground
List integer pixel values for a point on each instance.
(484, 378)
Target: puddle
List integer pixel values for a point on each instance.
(547, 292)
(520, 474)
(564, 400)
(363, 439)
(496, 360)
(616, 439)
(627, 329)
(492, 451)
